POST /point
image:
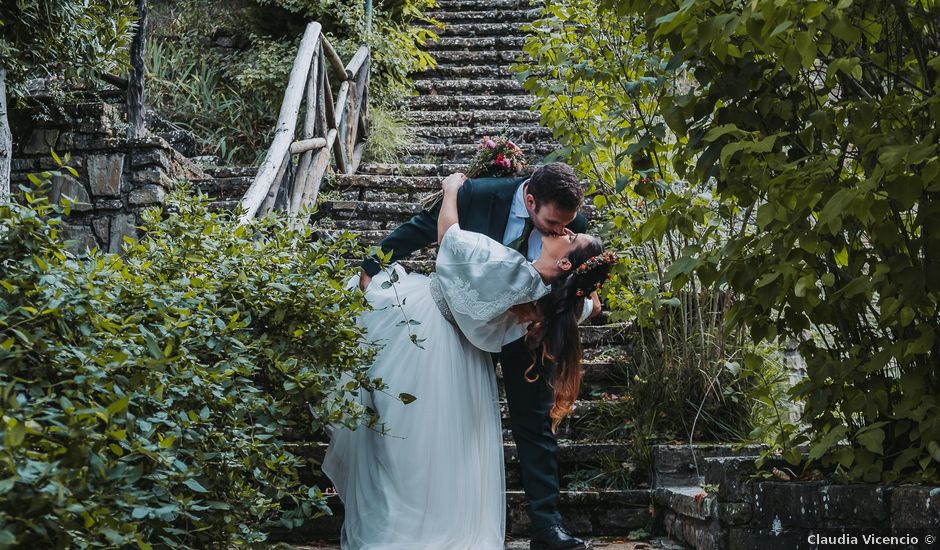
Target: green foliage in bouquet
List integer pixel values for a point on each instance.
(151, 399)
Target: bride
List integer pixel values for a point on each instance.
(435, 479)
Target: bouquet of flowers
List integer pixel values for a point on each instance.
(496, 157)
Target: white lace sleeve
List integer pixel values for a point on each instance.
(481, 279)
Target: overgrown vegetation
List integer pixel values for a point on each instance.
(692, 378)
(64, 39)
(150, 399)
(219, 67)
(772, 168)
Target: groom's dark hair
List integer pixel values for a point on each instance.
(556, 183)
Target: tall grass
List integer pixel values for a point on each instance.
(194, 93)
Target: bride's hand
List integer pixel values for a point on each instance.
(453, 182)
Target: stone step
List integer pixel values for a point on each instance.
(574, 460)
(685, 465)
(432, 152)
(469, 86)
(479, 5)
(472, 118)
(471, 103)
(501, 57)
(484, 28)
(485, 15)
(465, 71)
(456, 134)
(600, 513)
(475, 43)
(378, 168)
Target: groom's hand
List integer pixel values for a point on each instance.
(364, 280)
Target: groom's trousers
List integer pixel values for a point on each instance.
(529, 406)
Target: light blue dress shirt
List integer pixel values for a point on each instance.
(517, 216)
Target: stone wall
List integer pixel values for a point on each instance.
(118, 178)
(741, 511)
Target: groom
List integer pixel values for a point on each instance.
(516, 212)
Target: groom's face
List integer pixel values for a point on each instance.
(548, 218)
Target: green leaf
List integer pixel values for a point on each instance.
(195, 486)
(406, 398)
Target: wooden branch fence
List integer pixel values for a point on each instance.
(334, 127)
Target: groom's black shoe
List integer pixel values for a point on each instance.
(555, 538)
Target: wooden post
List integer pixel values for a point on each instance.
(368, 10)
(286, 124)
(135, 90)
(6, 140)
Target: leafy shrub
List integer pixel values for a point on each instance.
(814, 126)
(150, 399)
(693, 378)
(71, 38)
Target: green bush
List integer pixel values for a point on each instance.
(151, 400)
(814, 126)
(692, 378)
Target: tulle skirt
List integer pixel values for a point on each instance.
(435, 479)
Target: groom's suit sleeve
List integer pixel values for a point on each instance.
(415, 234)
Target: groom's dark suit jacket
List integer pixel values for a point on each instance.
(483, 206)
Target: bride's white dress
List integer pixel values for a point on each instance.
(435, 479)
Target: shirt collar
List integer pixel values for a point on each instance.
(518, 208)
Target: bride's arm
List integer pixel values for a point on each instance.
(448, 215)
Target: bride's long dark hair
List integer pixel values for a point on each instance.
(555, 338)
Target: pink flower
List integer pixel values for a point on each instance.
(501, 160)
(490, 143)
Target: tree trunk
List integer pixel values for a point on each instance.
(6, 140)
(135, 89)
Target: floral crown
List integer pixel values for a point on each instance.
(594, 262)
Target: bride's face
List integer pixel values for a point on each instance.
(555, 249)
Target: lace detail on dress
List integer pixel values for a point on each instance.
(457, 243)
(465, 299)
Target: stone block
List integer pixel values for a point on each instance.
(151, 157)
(150, 175)
(734, 513)
(146, 195)
(40, 141)
(102, 228)
(915, 507)
(788, 504)
(104, 174)
(24, 165)
(855, 505)
(122, 225)
(67, 186)
(109, 204)
(732, 475)
(78, 238)
(623, 520)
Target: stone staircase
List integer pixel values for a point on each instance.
(471, 94)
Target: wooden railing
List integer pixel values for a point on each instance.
(333, 126)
